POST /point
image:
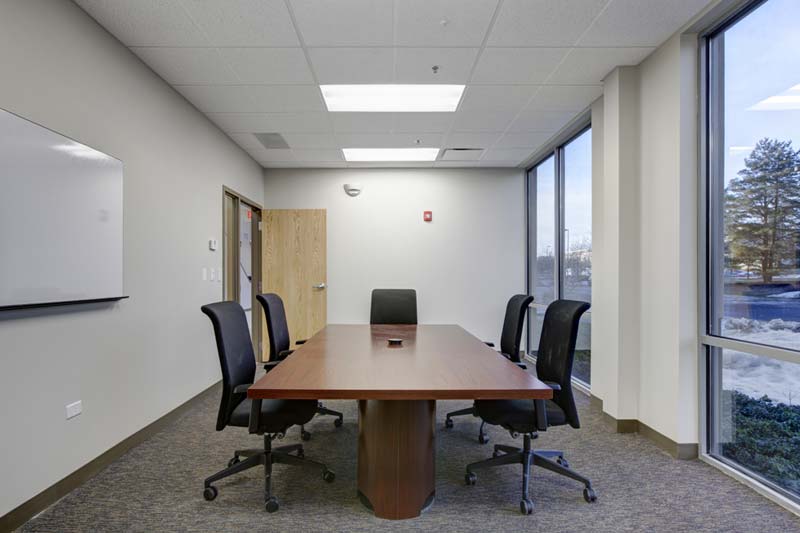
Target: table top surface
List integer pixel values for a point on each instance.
(433, 363)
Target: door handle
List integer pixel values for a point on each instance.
(319, 286)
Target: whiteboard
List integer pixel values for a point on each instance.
(60, 218)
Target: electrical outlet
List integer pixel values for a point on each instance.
(74, 409)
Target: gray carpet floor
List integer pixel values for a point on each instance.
(157, 486)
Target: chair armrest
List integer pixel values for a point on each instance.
(241, 389)
(301, 341)
(270, 365)
(553, 385)
(523, 366)
(284, 354)
(489, 344)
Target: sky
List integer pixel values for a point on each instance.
(762, 61)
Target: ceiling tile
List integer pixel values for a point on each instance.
(507, 154)
(247, 141)
(483, 120)
(588, 66)
(317, 155)
(640, 22)
(543, 22)
(517, 65)
(280, 154)
(443, 22)
(285, 98)
(498, 164)
(415, 65)
(541, 121)
(353, 65)
(531, 140)
(344, 22)
(277, 66)
(471, 140)
(187, 65)
(303, 164)
(454, 164)
(243, 22)
(218, 98)
(389, 140)
(145, 22)
(362, 122)
(565, 97)
(310, 140)
(497, 97)
(272, 122)
(422, 122)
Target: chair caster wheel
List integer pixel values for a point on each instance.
(470, 478)
(234, 460)
(271, 504)
(328, 476)
(563, 462)
(483, 438)
(210, 492)
(589, 495)
(338, 422)
(301, 453)
(305, 435)
(526, 506)
(448, 423)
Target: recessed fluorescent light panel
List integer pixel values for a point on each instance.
(390, 154)
(392, 98)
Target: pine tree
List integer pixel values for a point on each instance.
(762, 210)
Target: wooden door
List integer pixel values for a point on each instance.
(295, 268)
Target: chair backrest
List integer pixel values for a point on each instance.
(236, 355)
(557, 352)
(512, 325)
(393, 306)
(277, 327)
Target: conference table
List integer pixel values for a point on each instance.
(397, 387)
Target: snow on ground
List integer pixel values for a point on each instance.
(792, 295)
(758, 376)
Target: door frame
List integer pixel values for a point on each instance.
(256, 281)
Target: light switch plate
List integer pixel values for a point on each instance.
(74, 409)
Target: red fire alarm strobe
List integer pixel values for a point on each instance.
(427, 216)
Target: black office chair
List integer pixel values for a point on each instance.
(554, 367)
(270, 418)
(510, 340)
(393, 306)
(279, 343)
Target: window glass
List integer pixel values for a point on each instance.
(578, 218)
(544, 263)
(760, 213)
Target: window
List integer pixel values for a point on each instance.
(752, 327)
(560, 239)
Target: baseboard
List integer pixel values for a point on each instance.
(632, 425)
(24, 512)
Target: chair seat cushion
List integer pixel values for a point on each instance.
(276, 415)
(518, 415)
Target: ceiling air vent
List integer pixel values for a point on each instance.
(271, 141)
(461, 154)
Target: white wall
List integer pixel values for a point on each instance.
(668, 178)
(132, 362)
(644, 345)
(464, 265)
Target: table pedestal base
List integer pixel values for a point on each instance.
(396, 456)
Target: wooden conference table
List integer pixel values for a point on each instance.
(397, 388)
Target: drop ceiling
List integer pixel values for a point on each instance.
(255, 66)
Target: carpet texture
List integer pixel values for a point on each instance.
(158, 485)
